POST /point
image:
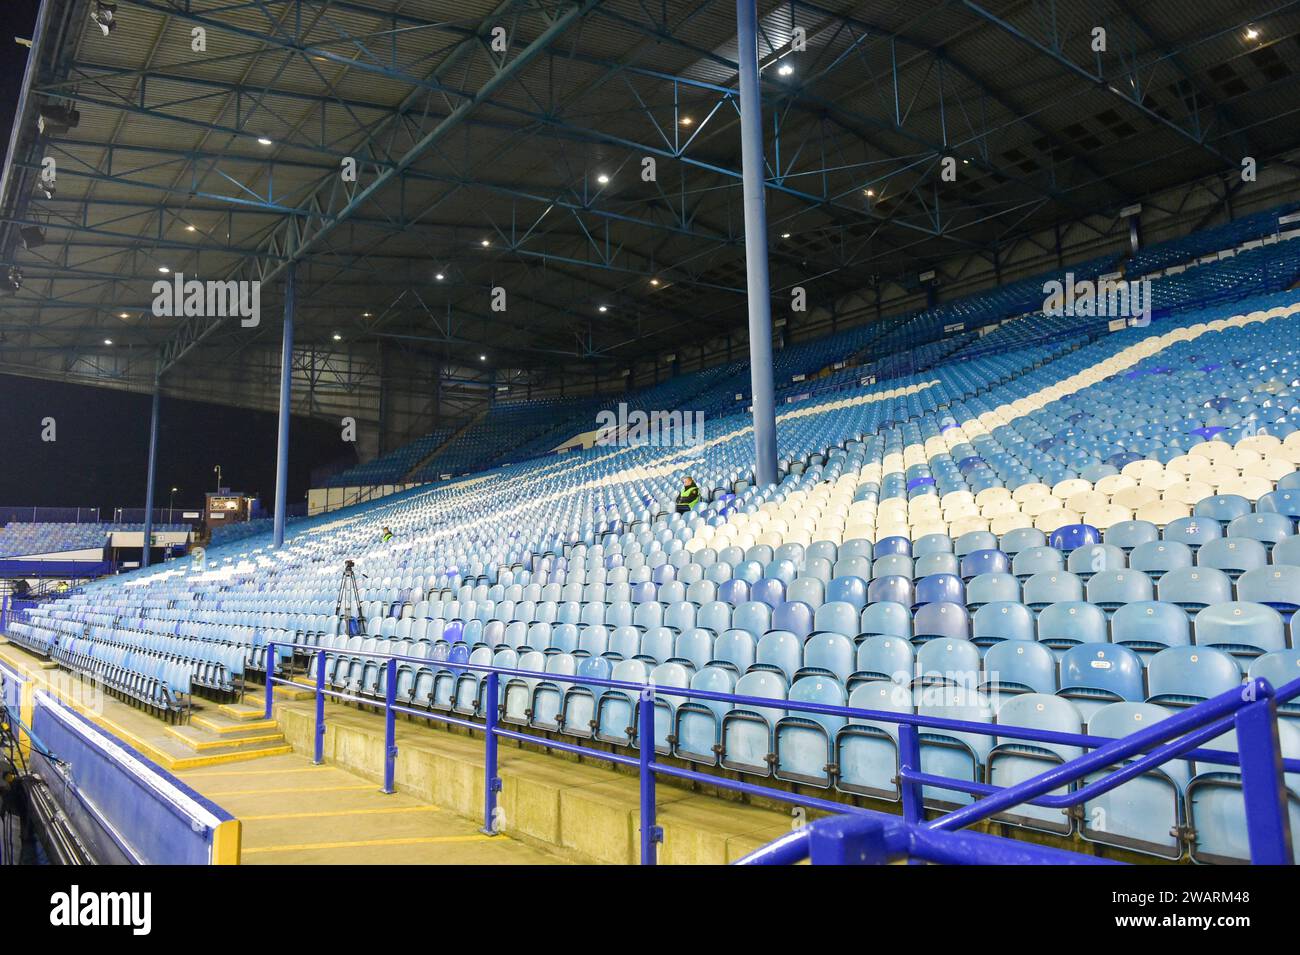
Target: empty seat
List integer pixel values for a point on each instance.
(1013, 761)
(1093, 675)
(866, 749)
(1241, 628)
(804, 740)
(1149, 626)
(1184, 676)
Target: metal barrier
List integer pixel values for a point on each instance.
(1251, 710)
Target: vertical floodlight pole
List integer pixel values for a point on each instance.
(760, 293)
(286, 383)
(153, 466)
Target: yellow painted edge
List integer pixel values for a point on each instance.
(26, 704)
(341, 812)
(251, 713)
(364, 843)
(216, 759)
(226, 839)
(293, 789)
(199, 745)
(269, 772)
(221, 730)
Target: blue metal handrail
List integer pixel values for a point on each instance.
(1251, 710)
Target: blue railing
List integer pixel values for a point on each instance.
(1250, 709)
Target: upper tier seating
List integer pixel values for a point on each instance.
(22, 539)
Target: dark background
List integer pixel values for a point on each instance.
(101, 454)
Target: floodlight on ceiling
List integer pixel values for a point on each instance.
(57, 120)
(104, 16)
(785, 69)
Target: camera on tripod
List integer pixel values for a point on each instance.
(348, 604)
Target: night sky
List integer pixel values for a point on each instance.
(99, 458)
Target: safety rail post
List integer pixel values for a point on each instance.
(390, 726)
(4, 613)
(1263, 785)
(270, 678)
(909, 761)
(651, 834)
(318, 754)
(491, 781)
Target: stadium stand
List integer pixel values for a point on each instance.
(1019, 538)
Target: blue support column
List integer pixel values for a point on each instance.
(153, 466)
(759, 286)
(286, 383)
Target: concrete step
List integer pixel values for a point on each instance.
(200, 740)
(227, 727)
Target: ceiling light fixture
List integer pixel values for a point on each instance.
(263, 140)
(785, 69)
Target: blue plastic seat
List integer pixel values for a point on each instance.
(942, 620)
(1017, 666)
(794, 617)
(699, 721)
(804, 740)
(989, 588)
(1093, 675)
(952, 753)
(1017, 541)
(616, 711)
(889, 545)
(1144, 814)
(895, 589)
(1184, 676)
(1216, 806)
(974, 540)
(734, 650)
(850, 590)
(1280, 668)
(1148, 626)
(747, 728)
(890, 565)
(827, 653)
(1223, 508)
(852, 567)
(951, 662)
(807, 590)
(939, 588)
(1194, 588)
(1277, 587)
(1070, 536)
(1264, 527)
(1090, 559)
(867, 750)
(935, 564)
(694, 648)
(781, 651)
(884, 657)
(1192, 531)
(1232, 555)
(1240, 628)
(1129, 535)
(1013, 761)
(1002, 620)
(885, 618)
(984, 562)
(1042, 590)
(1158, 557)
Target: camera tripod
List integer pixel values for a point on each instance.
(349, 600)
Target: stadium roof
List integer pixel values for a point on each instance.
(522, 168)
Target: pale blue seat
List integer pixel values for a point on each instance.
(991, 588)
(1194, 588)
(1021, 539)
(548, 695)
(1192, 531)
(747, 729)
(1094, 674)
(624, 643)
(885, 618)
(1241, 628)
(581, 699)
(1185, 676)
(666, 705)
(1216, 806)
(954, 754)
(781, 651)
(694, 648)
(1129, 535)
(804, 740)
(734, 650)
(616, 711)
(794, 617)
(1017, 666)
(1051, 587)
(942, 620)
(699, 722)
(1143, 814)
(867, 750)
(951, 662)
(943, 563)
(519, 689)
(1232, 555)
(1277, 587)
(1013, 761)
(1112, 589)
(1148, 626)
(1037, 560)
(884, 657)
(1280, 668)
(836, 617)
(850, 590)
(827, 653)
(1002, 620)
(1157, 557)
